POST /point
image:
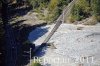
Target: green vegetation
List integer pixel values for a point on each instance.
(95, 4)
(49, 10)
(38, 3)
(53, 8)
(84, 9)
(35, 63)
(81, 10)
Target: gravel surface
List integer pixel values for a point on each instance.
(72, 42)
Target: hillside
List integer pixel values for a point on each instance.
(25, 24)
(82, 9)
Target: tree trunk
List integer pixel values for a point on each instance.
(10, 43)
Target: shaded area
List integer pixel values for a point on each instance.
(18, 23)
(10, 41)
(2, 56)
(22, 33)
(37, 33)
(41, 50)
(16, 10)
(19, 33)
(2, 49)
(25, 29)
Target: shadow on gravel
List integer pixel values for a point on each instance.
(35, 34)
(22, 33)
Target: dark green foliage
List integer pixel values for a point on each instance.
(63, 2)
(38, 3)
(54, 8)
(81, 10)
(95, 4)
(36, 64)
(85, 8)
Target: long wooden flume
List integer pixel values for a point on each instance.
(44, 44)
(59, 21)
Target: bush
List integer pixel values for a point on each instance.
(38, 3)
(95, 4)
(36, 64)
(71, 19)
(81, 10)
(53, 4)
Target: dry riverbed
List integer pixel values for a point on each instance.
(72, 42)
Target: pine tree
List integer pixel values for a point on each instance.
(10, 41)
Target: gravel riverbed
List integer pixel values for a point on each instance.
(72, 42)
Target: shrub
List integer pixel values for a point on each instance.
(71, 19)
(36, 64)
(95, 4)
(53, 4)
(80, 10)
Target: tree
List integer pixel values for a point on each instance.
(80, 10)
(10, 42)
(95, 4)
(38, 3)
(2, 56)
